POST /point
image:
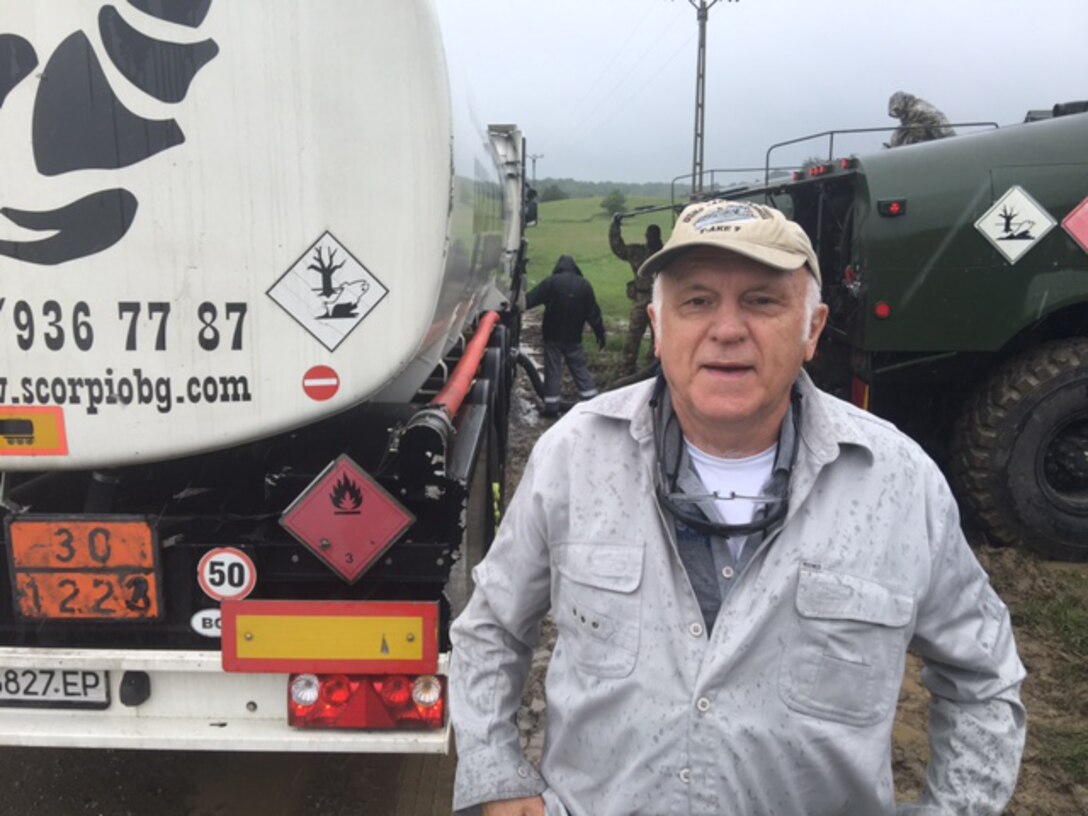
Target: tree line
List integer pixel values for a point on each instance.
(557, 189)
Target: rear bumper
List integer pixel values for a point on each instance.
(194, 705)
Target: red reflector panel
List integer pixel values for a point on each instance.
(882, 310)
(353, 701)
(330, 636)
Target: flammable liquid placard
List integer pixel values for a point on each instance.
(346, 518)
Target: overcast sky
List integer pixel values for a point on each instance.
(605, 89)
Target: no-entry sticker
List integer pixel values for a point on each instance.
(321, 383)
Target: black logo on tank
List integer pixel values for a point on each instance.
(79, 123)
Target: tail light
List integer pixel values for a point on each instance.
(375, 702)
(892, 207)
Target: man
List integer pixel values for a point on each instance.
(569, 303)
(737, 563)
(638, 289)
(919, 121)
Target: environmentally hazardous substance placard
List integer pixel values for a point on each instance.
(1015, 223)
(346, 518)
(328, 291)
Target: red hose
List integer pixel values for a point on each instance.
(454, 392)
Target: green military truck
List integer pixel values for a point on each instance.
(957, 276)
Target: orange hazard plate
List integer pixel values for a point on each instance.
(83, 568)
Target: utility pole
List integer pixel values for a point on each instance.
(702, 11)
(533, 157)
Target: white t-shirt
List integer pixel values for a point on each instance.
(745, 477)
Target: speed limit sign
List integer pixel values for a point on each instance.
(226, 574)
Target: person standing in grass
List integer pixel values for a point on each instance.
(569, 303)
(639, 288)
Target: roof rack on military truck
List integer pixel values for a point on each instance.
(789, 173)
(831, 134)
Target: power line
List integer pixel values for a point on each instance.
(574, 133)
(612, 61)
(641, 88)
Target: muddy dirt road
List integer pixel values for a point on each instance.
(79, 782)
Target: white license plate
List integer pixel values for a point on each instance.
(54, 688)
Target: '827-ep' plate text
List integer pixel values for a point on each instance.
(54, 688)
(84, 568)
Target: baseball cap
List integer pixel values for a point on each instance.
(753, 230)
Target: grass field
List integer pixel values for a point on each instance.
(579, 227)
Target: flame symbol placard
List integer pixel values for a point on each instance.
(346, 496)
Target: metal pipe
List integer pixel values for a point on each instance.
(454, 392)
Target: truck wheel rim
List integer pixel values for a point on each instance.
(1062, 465)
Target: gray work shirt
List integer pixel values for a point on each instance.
(785, 708)
(711, 566)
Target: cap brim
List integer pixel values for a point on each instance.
(774, 258)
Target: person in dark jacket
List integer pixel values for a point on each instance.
(569, 303)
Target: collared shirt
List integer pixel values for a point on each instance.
(712, 566)
(787, 706)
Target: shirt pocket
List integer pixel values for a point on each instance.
(598, 606)
(847, 648)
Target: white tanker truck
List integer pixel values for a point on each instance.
(257, 281)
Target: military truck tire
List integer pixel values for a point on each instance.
(1020, 452)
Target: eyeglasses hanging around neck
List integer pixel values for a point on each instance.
(773, 508)
(716, 496)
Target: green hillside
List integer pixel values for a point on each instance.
(579, 227)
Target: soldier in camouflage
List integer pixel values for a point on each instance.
(919, 121)
(639, 289)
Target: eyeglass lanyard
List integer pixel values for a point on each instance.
(671, 500)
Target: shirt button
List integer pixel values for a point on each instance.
(685, 775)
(703, 704)
(523, 772)
(696, 630)
(727, 572)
